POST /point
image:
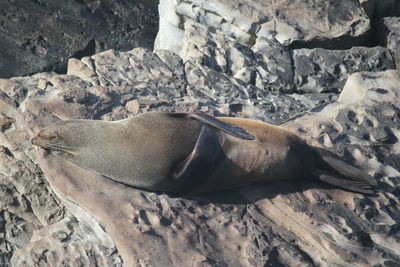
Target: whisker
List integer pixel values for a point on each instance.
(60, 145)
(55, 147)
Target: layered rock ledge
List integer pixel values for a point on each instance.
(289, 46)
(101, 221)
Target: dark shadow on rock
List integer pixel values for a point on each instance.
(249, 194)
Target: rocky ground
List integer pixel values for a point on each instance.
(324, 70)
(41, 35)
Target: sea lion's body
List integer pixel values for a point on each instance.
(181, 152)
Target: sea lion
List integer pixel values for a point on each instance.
(194, 152)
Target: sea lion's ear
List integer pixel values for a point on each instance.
(196, 167)
(226, 127)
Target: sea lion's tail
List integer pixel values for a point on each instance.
(333, 170)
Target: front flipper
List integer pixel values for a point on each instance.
(196, 168)
(226, 127)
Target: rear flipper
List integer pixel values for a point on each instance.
(343, 182)
(333, 170)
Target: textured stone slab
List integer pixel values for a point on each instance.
(271, 66)
(267, 64)
(330, 24)
(321, 70)
(69, 242)
(282, 223)
(110, 85)
(285, 223)
(37, 36)
(389, 36)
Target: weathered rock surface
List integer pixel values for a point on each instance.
(267, 65)
(69, 242)
(321, 70)
(271, 66)
(389, 35)
(287, 46)
(38, 36)
(110, 85)
(303, 223)
(289, 22)
(385, 8)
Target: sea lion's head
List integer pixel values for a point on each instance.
(63, 136)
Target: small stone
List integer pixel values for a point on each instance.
(42, 84)
(5, 122)
(133, 106)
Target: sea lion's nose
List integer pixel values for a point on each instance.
(35, 140)
(41, 136)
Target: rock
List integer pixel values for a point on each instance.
(367, 106)
(389, 36)
(368, 6)
(236, 59)
(26, 202)
(254, 225)
(339, 24)
(169, 35)
(377, 9)
(267, 64)
(363, 126)
(41, 35)
(70, 242)
(271, 66)
(275, 65)
(381, 8)
(321, 70)
(133, 106)
(218, 94)
(5, 122)
(387, 8)
(110, 85)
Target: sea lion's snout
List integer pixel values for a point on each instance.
(42, 139)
